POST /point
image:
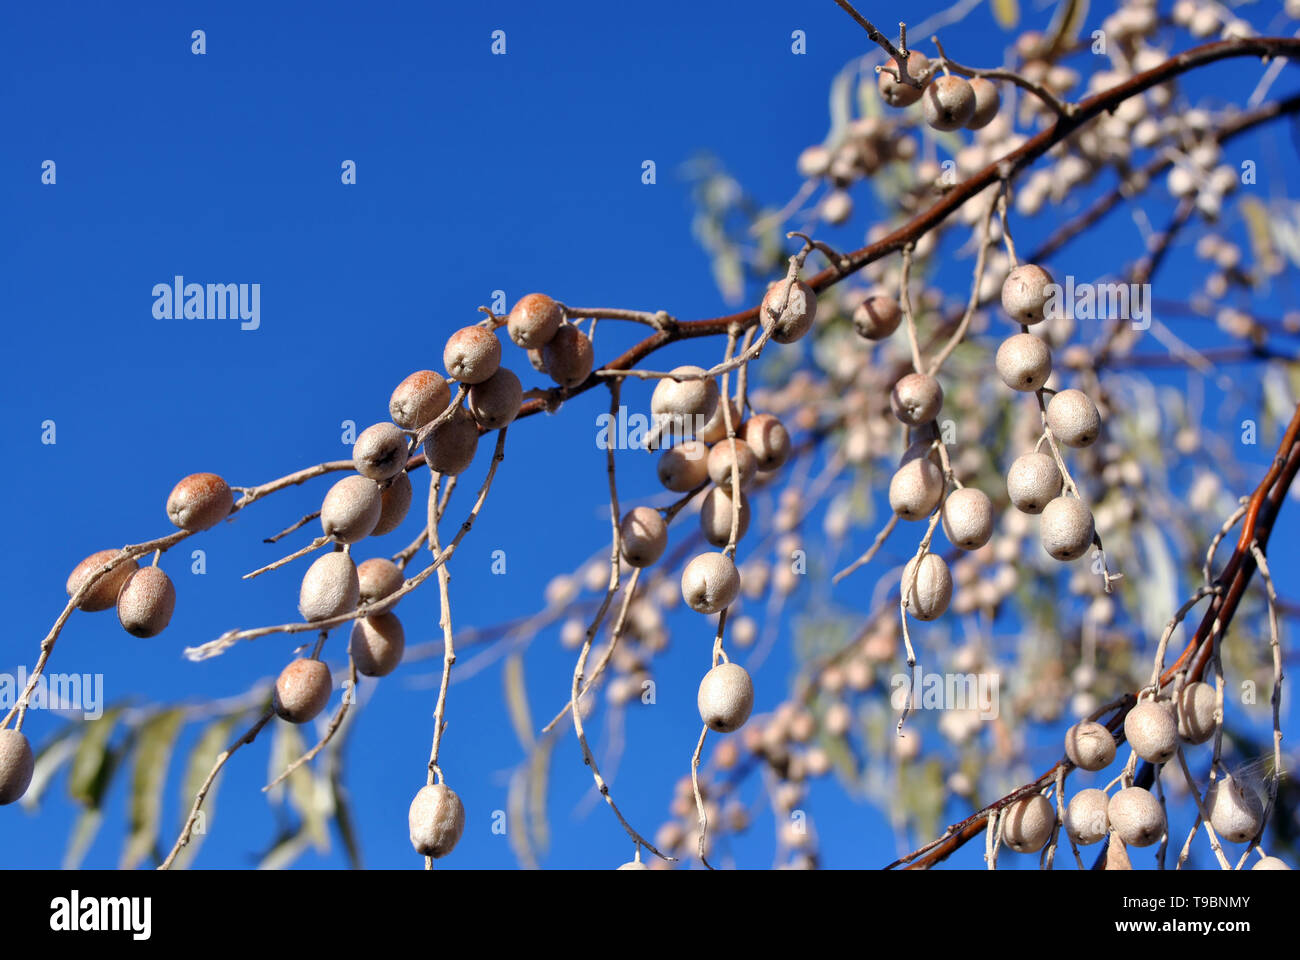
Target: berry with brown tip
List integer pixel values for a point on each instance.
(931, 587)
(721, 458)
(377, 578)
(895, 92)
(715, 517)
(302, 690)
(915, 489)
(496, 401)
(1086, 818)
(1066, 528)
(968, 518)
(103, 594)
(684, 467)
(800, 310)
(948, 103)
(1073, 418)
(377, 644)
(16, 765)
(329, 587)
(1024, 362)
(1033, 481)
(726, 697)
(1197, 706)
(767, 436)
(1236, 811)
(418, 399)
(533, 321)
(877, 317)
(351, 509)
(472, 354)
(395, 501)
(684, 406)
(1136, 816)
(710, 583)
(436, 820)
(916, 399)
(1025, 293)
(568, 357)
(1027, 823)
(450, 448)
(644, 536)
(199, 501)
(1089, 745)
(987, 103)
(146, 602)
(380, 452)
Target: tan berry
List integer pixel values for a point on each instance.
(683, 407)
(1024, 362)
(1025, 293)
(380, 452)
(931, 587)
(1136, 816)
(1066, 528)
(948, 103)
(1236, 811)
(329, 587)
(418, 399)
(395, 500)
(721, 458)
(1197, 705)
(644, 536)
(1089, 745)
(1270, 863)
(716, 427)
(726, 697)
(472, 354)
(768, 438)
(450, 448)
(1027, 823)
(968, 518)
(302, 690)
(710, 583)
(836, 208)
(351, 509)
(715, 517)
(1073, 418)
(915, 489)
(199, 501)
(1033, 482)
(103, 594)
(1086, 818)
(537, 360)
(436, 820)
(897, 93)
(16, 765)
(496, 401)
(813, 161)
(877, 317)
(145, 605)
(684, 467)
(568, 357)
(534, 320)
(916, 399)
(377, 578)
(987, 103)
(799, 313)
(1151, 731)
(377, 644)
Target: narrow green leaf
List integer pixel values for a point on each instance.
(344, 822)
(214, 739)
(1006, 13)
(92, 763)
(83, 835)
(285, 851)
(517, 699)
(156, 737)
(50, 758)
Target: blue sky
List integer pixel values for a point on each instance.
(475, 173)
